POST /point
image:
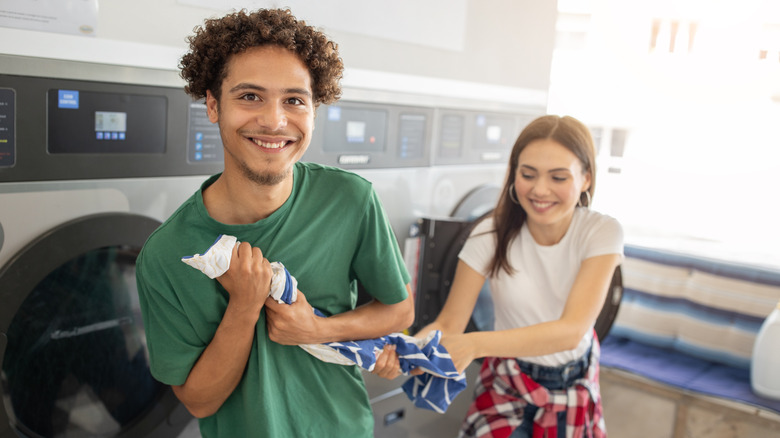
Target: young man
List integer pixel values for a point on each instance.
(229, 352)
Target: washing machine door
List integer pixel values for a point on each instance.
(72, 348)
(440, 241)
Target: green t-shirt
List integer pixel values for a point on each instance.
(330, 233)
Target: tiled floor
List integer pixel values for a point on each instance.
(638, 408)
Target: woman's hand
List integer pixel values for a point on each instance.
(461, 349)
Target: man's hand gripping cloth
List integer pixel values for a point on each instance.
(503, 391)
(434, 390)
(216, 261)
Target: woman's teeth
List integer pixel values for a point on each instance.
(541, 205)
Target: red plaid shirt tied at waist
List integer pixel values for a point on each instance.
(503, 391)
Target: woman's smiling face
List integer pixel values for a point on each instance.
(548, 184)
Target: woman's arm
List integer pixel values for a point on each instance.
(457, 310)
(453, 318)
(579, 314)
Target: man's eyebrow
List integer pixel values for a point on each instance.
(246, 86)
(243, 86)
(302, 91)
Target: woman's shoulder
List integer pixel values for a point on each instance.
(595, 228)
(593, 219)
(482, 226)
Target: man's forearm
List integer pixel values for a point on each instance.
(221, 365)
(370, 320)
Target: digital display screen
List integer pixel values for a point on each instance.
(493, 132)
(109, 121)
(82, 121)
(110, 125)
(355, 130)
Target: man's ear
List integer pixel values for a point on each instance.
(212, 107)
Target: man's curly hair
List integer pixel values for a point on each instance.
(205, 66)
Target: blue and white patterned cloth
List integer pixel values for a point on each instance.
(435, 389)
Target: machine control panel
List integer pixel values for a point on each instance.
(204, 144)
(64, 129)
(354, 135)
(411, 135)
(472, 137)
(7, 127)
(362, 135)
(369, 135)
(88, 122)
(53, 129)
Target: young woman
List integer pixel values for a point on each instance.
(549, 261)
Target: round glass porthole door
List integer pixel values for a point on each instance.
(76, 364)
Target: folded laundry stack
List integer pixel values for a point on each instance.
(434, 390)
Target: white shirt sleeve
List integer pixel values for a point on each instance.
(603, 235)
(480, 247)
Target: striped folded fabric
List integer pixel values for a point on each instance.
(434, 390)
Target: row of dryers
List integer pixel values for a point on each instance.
(94, 157)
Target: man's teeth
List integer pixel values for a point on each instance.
(270, 145)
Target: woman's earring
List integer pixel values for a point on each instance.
(513, 195)
(587, 196)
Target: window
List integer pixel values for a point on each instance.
(683, 98)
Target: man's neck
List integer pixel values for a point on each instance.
(235, 200)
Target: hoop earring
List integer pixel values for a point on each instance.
(513, 195)
(587, 195)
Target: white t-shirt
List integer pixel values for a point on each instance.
(537, 291)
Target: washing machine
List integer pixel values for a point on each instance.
(93, 157)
